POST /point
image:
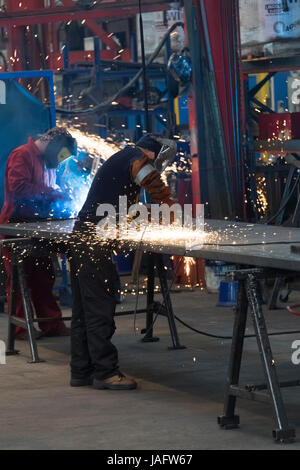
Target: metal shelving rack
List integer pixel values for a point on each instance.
(285, 174)
(270, 66)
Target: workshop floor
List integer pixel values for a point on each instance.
(179, 395)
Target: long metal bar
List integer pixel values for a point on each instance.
(145, 83)
(238, 392)
(167, 302)
(119, 74)
(12, 306)
(284, 146)
(284, 430)
(271, 64)
(52, 98)
(196, 115)
(296, 215)
(229, 419)
(27, 310)
(98, 69)
(286, 195)
(263, 107)
(17, 321)
(26, 74)
(97, 30)
(284, 383)
(256, 88)
(117, 314)
(275, 292)
(150, 299)
(50, 15)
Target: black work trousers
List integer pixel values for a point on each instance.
(92, 327)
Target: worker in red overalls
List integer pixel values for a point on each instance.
(29, 190)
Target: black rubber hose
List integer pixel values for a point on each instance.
(108, 103)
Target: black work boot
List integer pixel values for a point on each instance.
(117, 382)
(85, 382)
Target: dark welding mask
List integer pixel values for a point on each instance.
(59, 149)
(163, 149)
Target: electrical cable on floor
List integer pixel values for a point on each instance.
(211, 335)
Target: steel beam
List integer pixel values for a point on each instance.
(281, 146)
(50, 15)
(96, 29)
(271, 64)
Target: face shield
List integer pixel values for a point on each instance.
(59, 149)
(164, 149)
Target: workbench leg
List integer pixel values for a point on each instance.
(149, 338)
(275, 293)
(167, 302)
(229, 420)
(284, 432)
(28, 311)
(12, 308)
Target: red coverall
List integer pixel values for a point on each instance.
(24, 178)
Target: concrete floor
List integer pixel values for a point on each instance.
(179, 395)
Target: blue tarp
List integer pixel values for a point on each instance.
(21, 117)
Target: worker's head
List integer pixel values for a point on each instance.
(56, 145)
(149, 145)
(162, 150)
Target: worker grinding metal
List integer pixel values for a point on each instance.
(94, 359)
(29, 191)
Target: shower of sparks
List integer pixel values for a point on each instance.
(158, 233)
(155, 236)
(282, 134)
(84, 242)
(188, 263)
(77, 184)
(97, 148)
(262, 201)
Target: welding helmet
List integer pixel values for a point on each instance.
(60, 147)
(164, 149)
(149, 142)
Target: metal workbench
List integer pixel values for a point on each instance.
(233, 242)
(260, 251)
